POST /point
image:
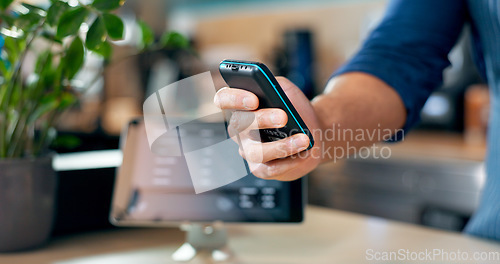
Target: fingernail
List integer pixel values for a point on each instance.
(301, 142)
(246, 102)
(275, 119)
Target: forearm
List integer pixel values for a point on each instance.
(357, 110)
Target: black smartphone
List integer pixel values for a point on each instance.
(258, 79)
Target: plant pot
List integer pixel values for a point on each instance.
(27, 201)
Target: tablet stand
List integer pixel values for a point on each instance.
(212, 238)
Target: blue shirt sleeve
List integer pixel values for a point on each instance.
(409, 49)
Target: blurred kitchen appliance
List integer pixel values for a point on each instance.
(441, 193)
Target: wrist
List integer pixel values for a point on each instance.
(318, 130)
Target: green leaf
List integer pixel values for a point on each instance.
(5, 3)
(47, 104)
(96, 35)
(44, 62)
(12, 46)
(48, 79)
(148, 36)
(7, 19)
(4, 69)
(55, 12)
(70, 21)
(13, 49)
(66, 100)
(73, 61)
(107, 5)
(3, 91)
(114, 26)
(58, 77)
(51, 36)
(174, 40)
(105, 50)
(33, 8)
(28, 21)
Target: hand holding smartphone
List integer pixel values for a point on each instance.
(258, 79)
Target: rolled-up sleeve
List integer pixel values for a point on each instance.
(409, 49)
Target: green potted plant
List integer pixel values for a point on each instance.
(34, 93)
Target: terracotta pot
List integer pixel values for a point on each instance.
(27, 201)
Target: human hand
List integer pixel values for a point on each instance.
(283, 160)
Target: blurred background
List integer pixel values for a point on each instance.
(433, 178)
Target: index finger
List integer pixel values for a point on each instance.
(236, 99)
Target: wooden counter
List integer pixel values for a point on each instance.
(327, 236)
(437, 145)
